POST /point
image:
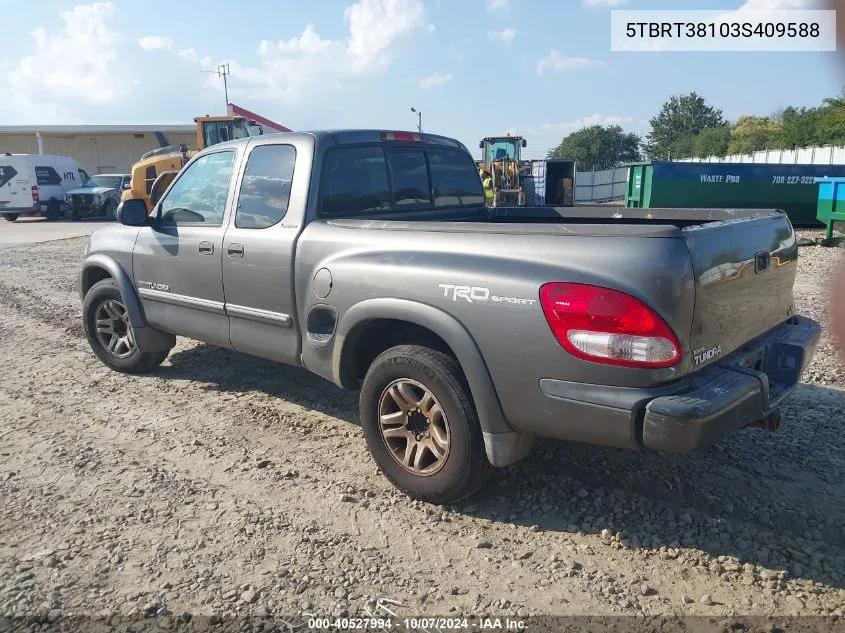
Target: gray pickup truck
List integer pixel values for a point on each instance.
(369, 258)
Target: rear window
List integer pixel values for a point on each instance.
(376, 180)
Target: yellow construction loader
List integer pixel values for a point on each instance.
(501, 158)
(155, 170)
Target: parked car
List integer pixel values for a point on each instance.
(97, 197)
(370, 259)
(35, 184)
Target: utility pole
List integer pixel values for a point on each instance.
(419, 119)
(223, 71)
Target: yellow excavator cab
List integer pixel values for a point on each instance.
(168, 161)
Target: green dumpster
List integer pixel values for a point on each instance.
(831, 207)
(791, 188)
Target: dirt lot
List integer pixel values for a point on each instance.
(225, 485)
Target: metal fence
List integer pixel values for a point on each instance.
(828, 155)
(599, 186)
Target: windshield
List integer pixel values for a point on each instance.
(112, 182)
(499, 150)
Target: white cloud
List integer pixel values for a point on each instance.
(431, 28)
(497, 5)
(436, 79)
(289, 69)
(507, 36)
(77, 62)
(155, 43)
(557, 62)
(603, 4)
(189, 53)
(593, 119)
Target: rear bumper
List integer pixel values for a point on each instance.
(743, 388)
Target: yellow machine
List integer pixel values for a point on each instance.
(155, 170)
(501, 158)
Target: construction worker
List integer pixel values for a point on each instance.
(487, 183)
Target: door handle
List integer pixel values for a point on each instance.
(235, 250)
(206, 248)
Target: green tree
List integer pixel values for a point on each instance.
(798, 128)
(683, 147)
(599, 147)
(830, 122)
(754, 133)
(713, 141)
(680, 120)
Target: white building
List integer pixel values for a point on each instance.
(99, 148)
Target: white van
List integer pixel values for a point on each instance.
(33, 184)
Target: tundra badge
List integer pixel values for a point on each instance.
(149, 285)
(702, 354)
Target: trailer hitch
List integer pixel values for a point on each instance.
(770, 423)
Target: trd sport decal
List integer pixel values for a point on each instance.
(479, 294)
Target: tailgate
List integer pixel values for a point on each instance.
(744, 271)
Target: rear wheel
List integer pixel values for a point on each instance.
(11, 217)
(421, 426)
(109, 331)
(53, 210)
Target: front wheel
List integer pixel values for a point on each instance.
(53, 211)
(109, 331)
(110, 209)
(11, 217)
(421, 426)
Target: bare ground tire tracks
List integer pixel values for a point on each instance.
(224, 484)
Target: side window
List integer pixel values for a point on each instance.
(199, 195)
(265, 190)
(454, 179)
(408, 178)
(210, 133)
(354, 182)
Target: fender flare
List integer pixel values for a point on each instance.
(446, 327)
(124, 284)
(149, 339)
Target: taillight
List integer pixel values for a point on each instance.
(35, 196)
(402, 136)
(607, 326)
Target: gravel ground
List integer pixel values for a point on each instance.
(225, 486)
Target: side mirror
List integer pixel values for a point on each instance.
(127, 186)
(480, 144)
(524, 143)
(132, 212)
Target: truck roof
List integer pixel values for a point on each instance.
(348, 137)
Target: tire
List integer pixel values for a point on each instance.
(53, 210)
(74, 215)
(462, 467)
(11, 217)
(110, 208)
(103, 301)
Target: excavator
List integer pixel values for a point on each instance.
(500, 157)
(156, 169)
